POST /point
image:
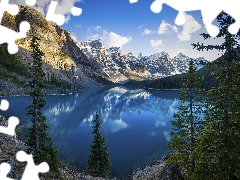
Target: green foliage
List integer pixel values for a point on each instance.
(54, 82)
(11, 62)
(187, 123)
(217, 150)
(11, 68)
(171, 82)
(98, 160)
(39, 142)
(176, 81)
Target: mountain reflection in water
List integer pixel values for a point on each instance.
(135, 123)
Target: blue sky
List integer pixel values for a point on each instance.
(134, 27)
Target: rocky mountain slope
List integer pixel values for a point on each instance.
(87, 63)
(119, 67)
(62, 58)
(115, 65)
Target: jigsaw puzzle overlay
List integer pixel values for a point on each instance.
(9, 36)
(31, 171)
(59, 18)
(209, 13)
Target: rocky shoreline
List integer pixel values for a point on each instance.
(9, 146)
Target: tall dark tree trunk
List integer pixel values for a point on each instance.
(39, 142)
(192, 126)
(187, 122)
(36, 130)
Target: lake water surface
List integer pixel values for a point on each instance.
(135, 123)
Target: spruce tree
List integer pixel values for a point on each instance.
(187, 123)
(217, 152)
(98, 160)
(39, 142)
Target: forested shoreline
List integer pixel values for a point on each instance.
(206, 147)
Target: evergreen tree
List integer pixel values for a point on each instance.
(187, 123)
(39, 142)
(98, 160)
(217, 152)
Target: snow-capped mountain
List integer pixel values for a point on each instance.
(162, 65)
(119, 67)
(115, 65)
(181, 62)
(158, 64)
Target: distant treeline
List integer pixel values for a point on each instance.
(176, 81)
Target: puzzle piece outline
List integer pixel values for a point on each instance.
(12, 121)
(4, 105)
(7, 35)
(4, 170)
(209, 14)
(133, 1)
(13, 36)
(59, 18)
(31, 170)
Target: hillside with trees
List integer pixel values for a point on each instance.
(176, 81)
(209, 148)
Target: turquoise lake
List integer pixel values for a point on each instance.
(135, 123)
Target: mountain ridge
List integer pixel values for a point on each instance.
(87, 64)
(146, 67)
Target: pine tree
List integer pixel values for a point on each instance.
(217, 152)
(98, 160)
(39, 142)
(187, 123)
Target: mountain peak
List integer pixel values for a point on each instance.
(181, 54)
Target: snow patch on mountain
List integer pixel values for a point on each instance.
(121, 67)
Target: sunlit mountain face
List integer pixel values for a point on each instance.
(119, 67)
(135, 123)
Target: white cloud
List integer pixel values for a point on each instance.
(175, 29)
(117, 125)
(157, 44)
(140, 26)
(196, 55)
(97, 28)
(95, 36)
(113, 39)
(166, 28)
(147, 32)
(110, 39)
(167, 135)
(181, 50)
(78, 26)
(160, 122)
(89, 31)
(64, 6)
(74, 37)
(191, 26)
